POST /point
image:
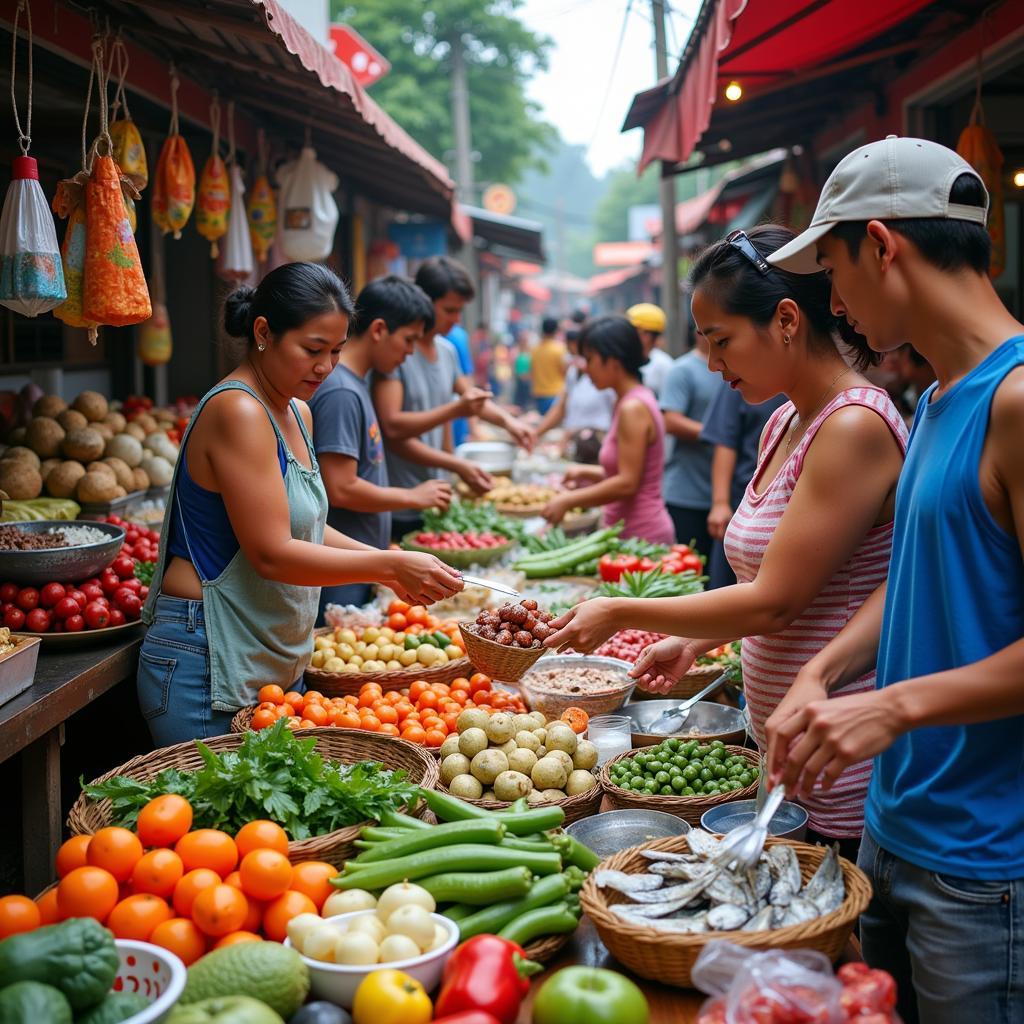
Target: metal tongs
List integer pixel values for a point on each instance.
(498, 588)
(675, 718)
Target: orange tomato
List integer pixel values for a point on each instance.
(208, 848)
(263, 719)
(235, 879)
(254, 917)
(397, 621)
(398, 607)
(261, 834)
(434, 737)
(387, 714)
(313, 877)
(157, 873)
(219, 910)
(478, 681)
(414, 734)
(190, 886)
(280, 911)
(415, 630)
(164, 820)
(441, 689)
(314, 695)
(265, 874)
(417, 614)
(286, 710)
(305, 723)
(499, 701)
(394, 697)
(272, 693)
(427, 699)
(315, 714)
(403, 707)
(349, 720)
(449, 719)
(293, 724)
(87, 892)
(334, 715)
(460, 696)
(115, 850)
(389, 730)
(366, 699)
(462, 683)
(18, 914)
(72, 854)
(371, 723)
(418, 688)
(181, 937)
(294, 698)
(233, 938)
(136, 917)
(47, 904)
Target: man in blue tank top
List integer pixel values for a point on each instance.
(900, 229)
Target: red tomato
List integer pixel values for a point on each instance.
(132, 607)
(74, 624)
(8, 592)
(96, 616)
(14, 618)
(38, 620)
(79, 598)
(27, 599)
(116, 617)
(92, 591)
(110, 583)
(65, 606)
(124, 567)
(51, 595)
(133, 584)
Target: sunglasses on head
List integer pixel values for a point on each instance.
(739, 241)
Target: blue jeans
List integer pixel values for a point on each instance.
(954, 945)
(173, 680)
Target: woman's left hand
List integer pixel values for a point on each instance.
(584, 627)
(555, 510)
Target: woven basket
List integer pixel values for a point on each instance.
(668, 957)
(460, 559)
(689, 686)
(689, 808)
(544, 950)
(343, 745)
(583, 805)
(506, 664)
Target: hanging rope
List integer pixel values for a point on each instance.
(175, 83)
(263, 148)
(24, 136)
(103, 80)
(120, 52)
(215, 124)
(231, 133)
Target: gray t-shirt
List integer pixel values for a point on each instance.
(426, 384)
(655, 370)
(345, 423)
(689, 389)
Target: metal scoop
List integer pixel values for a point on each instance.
(673, 720)
(498, 588)
(741, 848)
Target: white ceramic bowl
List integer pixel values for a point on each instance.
(337, 983)
(152, 972)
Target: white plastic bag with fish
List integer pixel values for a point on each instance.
(236, 261)
(307, 213)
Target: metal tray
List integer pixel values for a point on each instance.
(86, 638)
(711, 722)
(18, 667)
(610, 831)
(118, 507)
(61, 565)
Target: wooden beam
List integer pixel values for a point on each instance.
(238, 26)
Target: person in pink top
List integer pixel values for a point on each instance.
(811, 538)
(627, 482)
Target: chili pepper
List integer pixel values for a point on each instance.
(486, 973)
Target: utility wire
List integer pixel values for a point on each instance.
(608, 81)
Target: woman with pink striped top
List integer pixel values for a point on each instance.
(810, 541)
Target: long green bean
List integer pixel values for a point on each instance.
(481, 888)
(553, 920)
(448, 834)
(492, 919)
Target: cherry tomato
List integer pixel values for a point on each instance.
(65, 606)
(51, 594)
(8, 592)
(74, 624)
(92, 591)
(38, 620)
(110, 583)
(96, 616)
(124, 566)
(14, 618)
(116, 617)
(27, 599)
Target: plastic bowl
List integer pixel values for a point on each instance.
(152, 972)
(337, 983)
(789, 821)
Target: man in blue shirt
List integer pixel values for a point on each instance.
(900, 229)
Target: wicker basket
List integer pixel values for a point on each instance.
(342, 745)
(583, 805)
(460, 559)
(544, 950)
(669, 957)
(689, 808)
(689, 686)
(506, 664)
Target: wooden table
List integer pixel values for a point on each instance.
(32, 725)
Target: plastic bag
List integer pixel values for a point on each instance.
(174, 192)
(213, 202)
(262, 214)
(130, 153)
(31, 275)
(789, 987)
(236, 262)
(69, 202)
(308, 214)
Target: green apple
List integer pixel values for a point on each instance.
(590, 994)
(224, 1010)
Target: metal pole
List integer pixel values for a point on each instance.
(669, 240)
(464, 169)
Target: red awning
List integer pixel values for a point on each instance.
(759, 43)
(534, 290)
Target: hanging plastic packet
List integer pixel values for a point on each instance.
(214, 197)
(31, 276)
(129, 151)
(69, 203)
(154, 342)
(262, 209)
(174, 188)
(308, 214)
(236, 262)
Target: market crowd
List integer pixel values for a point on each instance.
(874, 574)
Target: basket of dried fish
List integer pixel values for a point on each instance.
(656, 906)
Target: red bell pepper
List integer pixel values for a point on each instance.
(468, 1017)
(486, 973)
(611, 567)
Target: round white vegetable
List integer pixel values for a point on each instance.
(511, 785)
(472, 741)
(413, 921)
(440, 938)
(126, 448)
(500, 728)
(355, 947)
(561, 737)
(585, 756)
(158, 469)
(322, 942)
(466, 787)
(527, 740)
(404, 894)
(522, 760)
(348, 901)
(300, 927)
(488, 765)
(452, 765)
(472, 718)
(398, 947)
(562, 758)
(579, 781)
(549, 773)
(370, 925)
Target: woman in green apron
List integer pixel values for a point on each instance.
(245, 546)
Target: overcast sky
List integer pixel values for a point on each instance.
(587, 92)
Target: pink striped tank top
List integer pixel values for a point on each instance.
(770, 663)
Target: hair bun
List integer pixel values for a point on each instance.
(238, 312)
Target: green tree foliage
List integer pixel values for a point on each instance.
(501, 55)
(624, 189)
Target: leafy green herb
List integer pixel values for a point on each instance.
(653, 584)
(465, 517)
(273, 774)
(729, 660)
(144, 572)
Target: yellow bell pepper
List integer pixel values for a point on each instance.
(391, 997)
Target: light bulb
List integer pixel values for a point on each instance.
(1018, 179)
(733, 91)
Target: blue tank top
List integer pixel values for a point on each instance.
(951, 799)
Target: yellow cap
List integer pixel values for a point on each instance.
(645, 316)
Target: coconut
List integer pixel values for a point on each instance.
(122, 471)
(62, 481)
(23, 454)
(92, 405)
(140, 479)
(48, 467)
(158, 469)
(126, 448)
(20, 479)
(49, 405)
(72, 419)
(85, 445)
(102, 467)
(116, 421)
(105, 430)
(98, 486)
(44, 436)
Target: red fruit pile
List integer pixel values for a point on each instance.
(139, 542)
(628, 644)
(454, 541)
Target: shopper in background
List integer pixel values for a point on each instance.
(649, 320)
(522, 394)
(628, 480)
(689, 390)
(391, 316)
(245, 545)
(548, 366)
(459, 337)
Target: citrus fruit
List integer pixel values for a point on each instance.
(190, 886)
(313, 877)
(72, 854)
(208, 848)
(233, 938)
(115, 850)
(157, 872)
(18, 914)
(164, 820)
(87, 892)
(265, 874)
(261, 835)
(219, 910)
(135, 917)
(280, 911)
(181, 937)
(47, 904)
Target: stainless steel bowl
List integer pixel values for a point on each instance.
(789, 821)
(712, 722)
(611, 831)
(601, 702)
(61, 565)
(492, 456)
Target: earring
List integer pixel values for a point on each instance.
(261, 347)
(785, 338)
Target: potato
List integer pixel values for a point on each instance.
(549, 773)
(561, 737)
(585, 757)
(299, 929)
(398, 947)
(488, 795)
(62, 481)
(44, 436)
(20, 479)
(403, 894)
(508, 747)
(472, 718)
(500, 728)
(538, 717)
(511, 785)
(356, 948)
(542, 735)
(541, 751)
(535, 796)
(49, 405)
(488, 765)
(466, 787)
(72, 419)
(527, 740)
(524, 723)
(472, 741)
(553, 795)
(450, 746)
(92, 405)
(452, 765)
(23, 454)
(48, 466)
(522, 760)
(562, 758)
(579, 781)
(321, 943)
(84, 445)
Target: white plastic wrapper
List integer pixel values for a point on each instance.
(236, 261)
(307, 213)
(31, 274)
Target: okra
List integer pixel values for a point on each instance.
(451, 808)
(478, 888)
(459, 911)
(528, 845)
(575, 853)
(491, 919)
(395, 819)
(522, 804)
(440, 835)
(372, 834)
(553, 920)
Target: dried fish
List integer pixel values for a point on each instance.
(626, 883)
(702, 843)
(691, 925)
(646, 911)
(727, 917)
(689, 872)
(784, 866)
(687, 858)
(760, 922)
(826, 889)
(798, 911)
(762, 883)
(687, 893)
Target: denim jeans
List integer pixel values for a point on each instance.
(954, 945)
(173, 679)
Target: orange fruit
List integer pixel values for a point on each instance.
(313, 877)
(157, 872)
(219, 910)
(414, 734)
(181, 937)
(135, 917)
(313, 696)
(18, 914)
(87, 892)
(294, 698)
(72, 854)
(254, 917)
(164, 820)
(208, 848)
(233, 938)
(419, 687)
(316, 714)
(265, 874)
(434, 737)
(478, 681)
(234, 879)
(271, 693)
(47, 904)
(398, 607)
(261, 835)
(280, 911)
(389, 730)
(369, 723)
(190, 886)
(263, 719)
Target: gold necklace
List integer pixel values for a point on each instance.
(818, 408)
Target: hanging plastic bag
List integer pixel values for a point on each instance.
(308, 214)
(214, 197)
(31, 276)
(129, 152)
(154, 340)
(69, 203)
(174, 190)
(236, 262)
(262, 209)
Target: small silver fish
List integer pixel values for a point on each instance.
(798, 911)
(826, 889)
(691, 925)
(728, 888)
(686, 858)
(674, 869)
(727, 917)
(702, 843)
(645, 911)
(762, 880)
(760, 922)
(626, 883)
(784, 867)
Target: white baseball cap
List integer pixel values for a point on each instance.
(894, 179)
